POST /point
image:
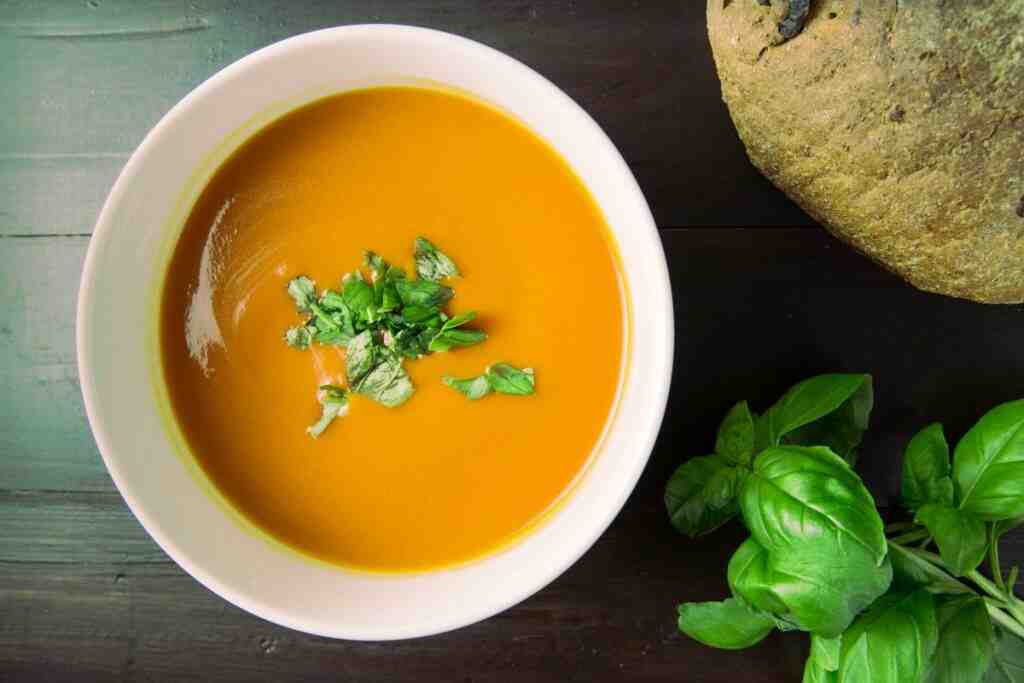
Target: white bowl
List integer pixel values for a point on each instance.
(120, 370)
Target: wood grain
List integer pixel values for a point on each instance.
(611, 616)
(84, 82)
(45, 441)
(85, 593)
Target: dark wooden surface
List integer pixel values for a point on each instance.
(762, 299)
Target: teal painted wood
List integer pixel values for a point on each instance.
(83, 81)
(85, 594)
(58, 527)
(45, 441)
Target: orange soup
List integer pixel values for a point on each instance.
(441, 479)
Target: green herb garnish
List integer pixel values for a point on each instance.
(474, 388)
(879, 605)
(449, 336)
(381, 321)
(432, 263)
(500, 377)
(333, 403)
(300, 336)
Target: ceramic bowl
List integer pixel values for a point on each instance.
(123, 385)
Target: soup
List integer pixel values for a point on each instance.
(439, 480)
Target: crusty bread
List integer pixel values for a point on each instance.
(898, 125)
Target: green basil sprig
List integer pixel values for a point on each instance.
(829, 410)
(878, 609)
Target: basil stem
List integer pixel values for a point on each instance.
(910, 537)
(1002, 618)
(993, 558)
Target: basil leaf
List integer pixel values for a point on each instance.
(474, 388)
(751, 579)
(333, 403)
(506, 379)
(842, 429)
(762, 440)
(423, 293)
(815, 671)
(822, 533)
(926, 469)
(893, 642)
(815, 398)
(735, 441)
(960, 536)
(966, 641)
(729, 624)
(299, 337)
(447, 340)
(1008, 663)
(826, 651)
(822, 584)
(432, 263)
(817, 487)
(911, 572)
(701, 495)
(303, 291)
(988, 464)
(360, 357)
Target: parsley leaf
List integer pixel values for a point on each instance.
(387, 383)
(506, 379)
(424, 293)
(358, 297)
(300, 336)
(385, 318)
(331, 321)
(333, 403)
(419, 314)
(303, 291)
(474, 388)
(500, 377)
(383, 275)
(448, 336)
(432, 263)
(360, 357)
(376, 372)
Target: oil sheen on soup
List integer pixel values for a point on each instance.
(440, 480)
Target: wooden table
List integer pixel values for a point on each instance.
(763, 298)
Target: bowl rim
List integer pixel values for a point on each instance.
(105, 230)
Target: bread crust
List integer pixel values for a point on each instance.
(899, 125)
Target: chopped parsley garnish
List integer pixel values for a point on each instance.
(500, 377)
(432, 263)
(333, 403)
(383, 320)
